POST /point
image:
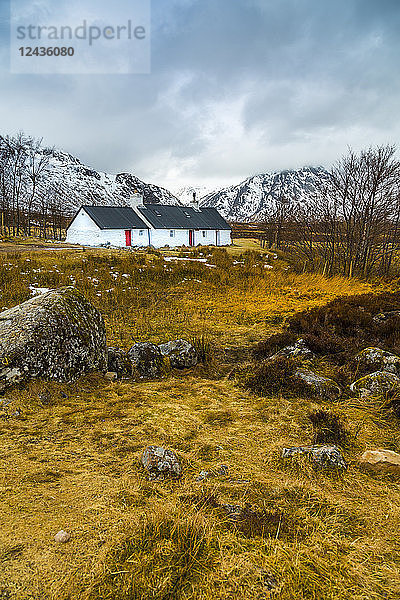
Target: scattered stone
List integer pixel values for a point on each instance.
(235, 512)
(62, 537)
(6, 409)
(222, 470)
(380, 461)
(118, 362)
(297, 350)
(239, 481)
(375, 384)
(146, 359)
(181, 353)
(111, 376)
(321, 456)
(322, 387)
(56, 335)
(385, 316)
(269, 580)
(160, 463)
(379, 360)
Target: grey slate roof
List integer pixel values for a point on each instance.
(165, 216)
(115, 217)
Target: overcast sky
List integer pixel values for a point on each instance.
(237, 87)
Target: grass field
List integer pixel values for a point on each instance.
(70, 452)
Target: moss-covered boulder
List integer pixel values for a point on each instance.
(376, 384)
(375, 359)
(146, 360)
(160, 463)
(118, 362)
(57, 335)
(181, 354)
(298, 350)
(321, 456)
(320, 387)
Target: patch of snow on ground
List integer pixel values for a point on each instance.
(36, 291)
(169, 258)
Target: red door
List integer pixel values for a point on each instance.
(190, 237)
(128, 238)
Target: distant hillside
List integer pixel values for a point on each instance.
(185, 193)
(77, 183)
(256, 197)
(82, 184)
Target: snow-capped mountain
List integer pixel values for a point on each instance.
(256, 198)
(77, 184)
(185, 193)
(83, 185)
(73, 183)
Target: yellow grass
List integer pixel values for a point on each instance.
(70, 458)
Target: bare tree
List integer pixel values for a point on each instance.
(36, 166)
(351, 225)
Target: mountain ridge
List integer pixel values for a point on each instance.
(253, 199)
(258, 196)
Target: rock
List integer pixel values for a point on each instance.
(160, 463)
(111, 376)
(222, 470)
(146, 359)
(322, 387)
(118, 362)
(181, 354)
(62, 537)
(236, 512)
(321, 456)
(380, 461)
(270, 581)
(379, 360)
(385, 316)
(56, 335)
(375, 384)
(7, 409)
(298, 350)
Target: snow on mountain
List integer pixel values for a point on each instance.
(185, 193)
(80, 184)
(256, 198)
(251, 200)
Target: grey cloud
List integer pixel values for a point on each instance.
(236, 87)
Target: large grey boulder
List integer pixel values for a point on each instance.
(376, 384)
(146, 360)
(321, 387)
(181, 354)
(321, 456)
(57, 335)
(376, 359)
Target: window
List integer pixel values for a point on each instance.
(172, 233)
(141, 232)
(204, 234)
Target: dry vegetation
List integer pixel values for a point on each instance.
(69, 452)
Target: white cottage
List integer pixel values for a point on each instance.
(155, 225)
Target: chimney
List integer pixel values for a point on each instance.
(195, 203)
(136, 199)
